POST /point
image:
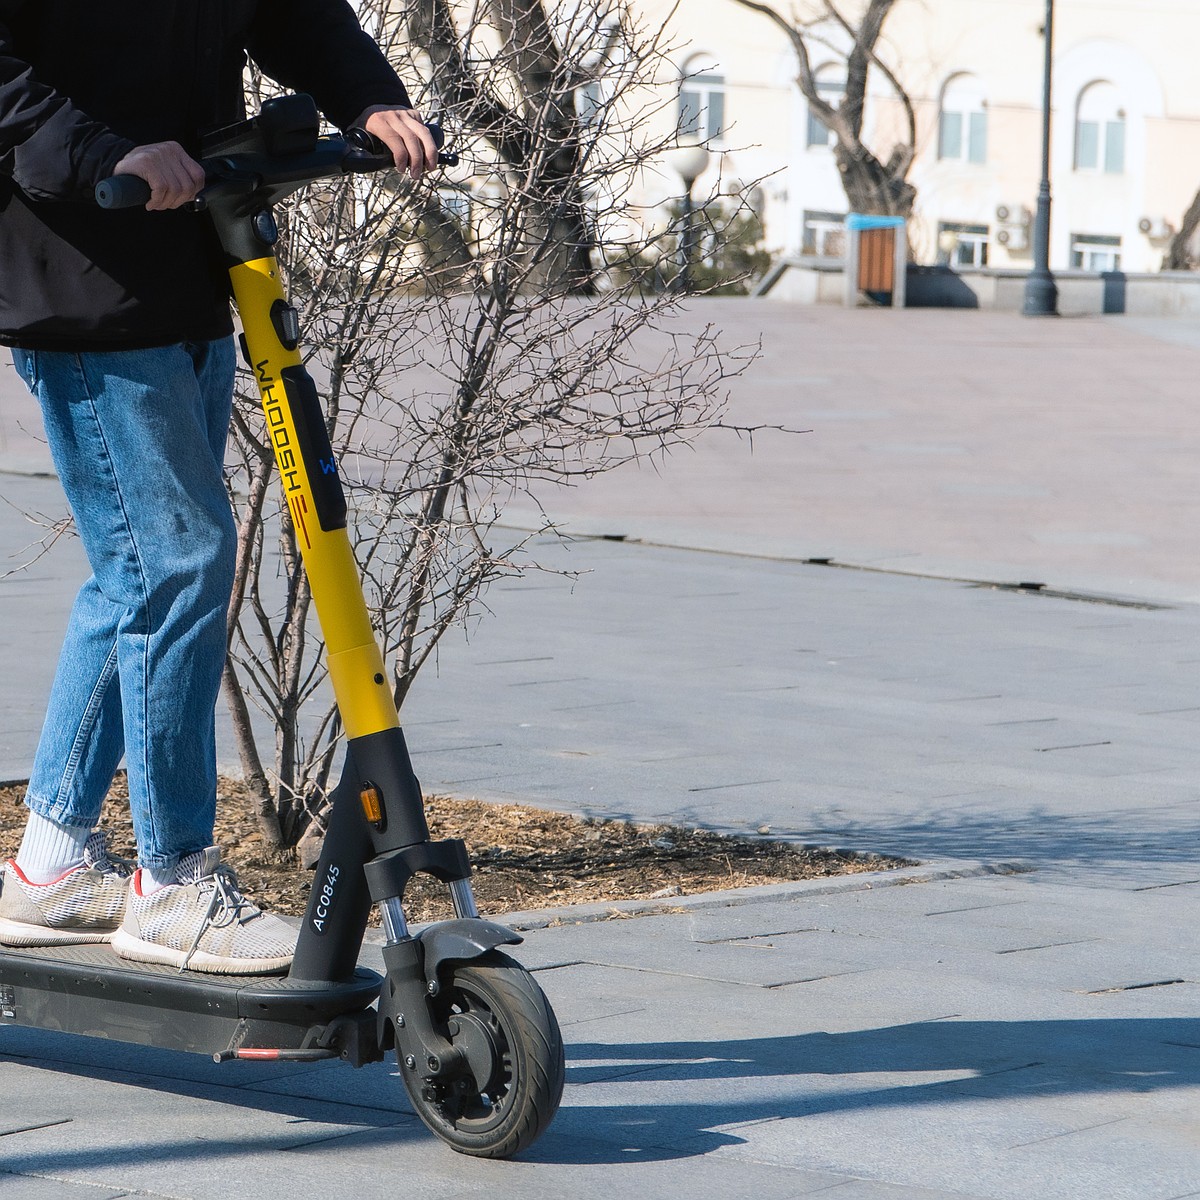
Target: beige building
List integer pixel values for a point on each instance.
(1126, 124)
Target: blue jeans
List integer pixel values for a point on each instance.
(138, 438)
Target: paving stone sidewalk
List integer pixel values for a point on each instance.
(992, 1035)
(986, 1037)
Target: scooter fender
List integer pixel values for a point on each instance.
(413, 967)
(448, 943)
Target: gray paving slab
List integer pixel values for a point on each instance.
(30, 1187)
(993, 1037)
(907, 1074)
(1024, 461)
(834, 761)
(1052, 954)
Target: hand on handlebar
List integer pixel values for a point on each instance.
(406, 136)
(162, 175)
(174, 177)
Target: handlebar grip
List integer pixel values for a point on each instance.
(122, 191)
(447, 158)
(367, 142)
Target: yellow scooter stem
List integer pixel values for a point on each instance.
(308, 472)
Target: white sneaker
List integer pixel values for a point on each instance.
(202, 923)
(84, 905)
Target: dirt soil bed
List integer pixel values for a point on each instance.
(523, 858)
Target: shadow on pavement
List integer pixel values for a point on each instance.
(1162, 836)
(823, 1073)
(1114, 1051)
(721, 1085)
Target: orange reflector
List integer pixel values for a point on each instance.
(372, 803)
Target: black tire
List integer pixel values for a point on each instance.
(494, 1009)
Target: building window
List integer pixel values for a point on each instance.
(831, 87)
(824, 234)
(1100, 130)
(701, 100)
(962, 121)
(1094, 252)
(963, 245)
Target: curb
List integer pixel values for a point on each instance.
(594, 529)
(620, 910)
(583, 914)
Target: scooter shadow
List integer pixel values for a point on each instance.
(663, 1101)
(372, 1096)
(370, 1102)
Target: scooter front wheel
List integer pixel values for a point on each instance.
(494, 1011)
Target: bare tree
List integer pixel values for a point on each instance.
(1179, 255)
(462, 362)
(875, 180)
(528, 110)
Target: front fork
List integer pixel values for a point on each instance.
(377, 836)
(353, 873)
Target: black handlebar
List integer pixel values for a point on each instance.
(122, 191)
(360, 139)
(363, 153)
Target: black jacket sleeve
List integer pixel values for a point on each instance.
(318, 47)
(51, 149)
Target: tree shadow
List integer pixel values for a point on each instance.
(872, 1069)
(1115, 838)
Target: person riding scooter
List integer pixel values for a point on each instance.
(120, 326)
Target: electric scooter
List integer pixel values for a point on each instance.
(476, 1040)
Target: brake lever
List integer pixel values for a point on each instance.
(229, 178)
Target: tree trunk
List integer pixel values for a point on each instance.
(1177, 256)
(559, 245)
(255, 777)
(871, 187)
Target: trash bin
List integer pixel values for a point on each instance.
(876, 259)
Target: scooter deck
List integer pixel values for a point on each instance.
(89, 990)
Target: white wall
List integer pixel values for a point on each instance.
(1145, 50)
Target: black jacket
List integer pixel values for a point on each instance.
(84, 81)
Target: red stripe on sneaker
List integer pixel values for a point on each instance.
(11, 865)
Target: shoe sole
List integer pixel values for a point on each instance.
(20, 933)
(137, 950)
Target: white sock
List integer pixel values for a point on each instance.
(154, 878)
(49, 849)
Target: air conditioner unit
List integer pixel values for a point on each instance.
(1013, 237)
(1156, 229)
(1013, 214)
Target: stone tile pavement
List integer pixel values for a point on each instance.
(1029, 1034)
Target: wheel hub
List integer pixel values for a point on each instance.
(480, 1046)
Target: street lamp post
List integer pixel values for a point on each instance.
(1041, 292)
(690, 162)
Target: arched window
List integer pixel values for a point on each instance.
(701, 99)
(831, 87)
(1100, 130)
(962, 121)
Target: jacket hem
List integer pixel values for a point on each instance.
(76, 344)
